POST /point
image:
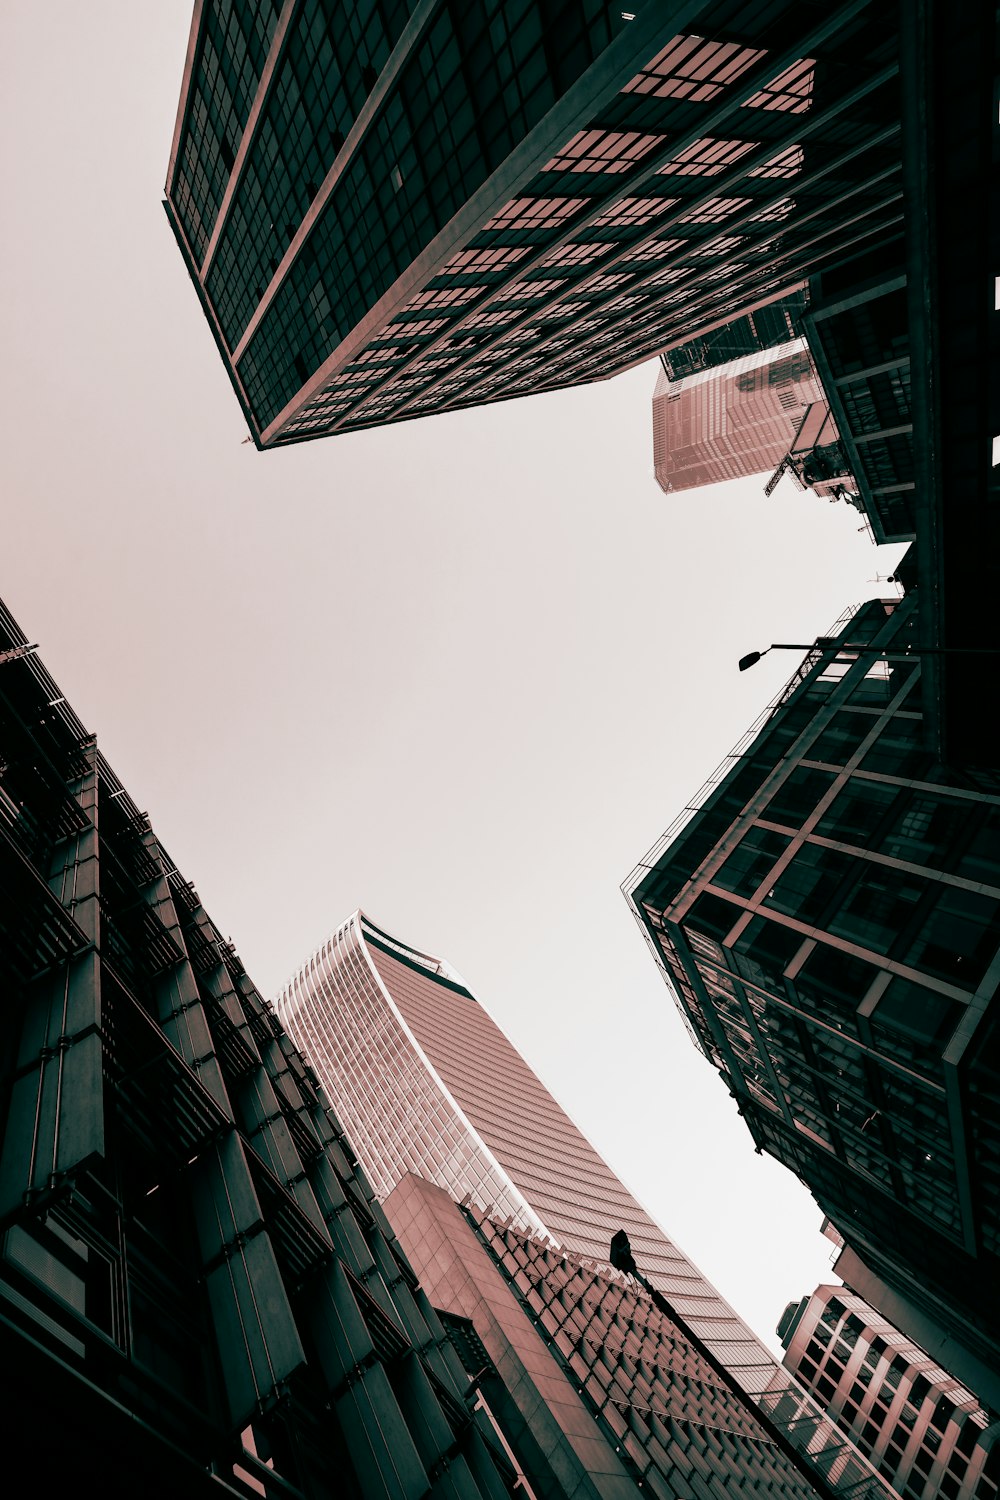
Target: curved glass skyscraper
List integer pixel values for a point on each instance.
(426, 1082)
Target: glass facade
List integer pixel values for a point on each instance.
(829, 920)
(926, 1433)
(335, 164)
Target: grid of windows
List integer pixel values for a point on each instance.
(843, 947)
(689, 67)
(443, 115)
(706, 158)
(631, 211)
(792, 90)
(919, 1425)
(535, 213)
(603, 151)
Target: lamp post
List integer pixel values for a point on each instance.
(826, 643)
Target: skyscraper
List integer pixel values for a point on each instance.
(426, 1082)
(399, 208)
(926, 1432)
(738, 418)
(829, 922)
(429, 1085)
(199, 1295)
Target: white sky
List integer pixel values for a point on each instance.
(461, 673)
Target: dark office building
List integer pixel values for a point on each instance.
(199, 1295)
(391, 209)
(929, 1435)
(829, 921)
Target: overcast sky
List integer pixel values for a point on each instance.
(460, 673)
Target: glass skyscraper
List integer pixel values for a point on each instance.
(426, 1082)
(199, 1294)
(396, 208)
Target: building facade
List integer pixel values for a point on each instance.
(927, 1434)
(199, 1293)
(602, 1383)
(829, 923)
(394, 208)
(427, 1084)
(738, 418)
(777, 322)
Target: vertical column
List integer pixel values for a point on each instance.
(56, 1121)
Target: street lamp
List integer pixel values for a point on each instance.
(827, 643)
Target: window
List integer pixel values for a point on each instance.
(944, 1411)
(451, 296)
(764, 950)
(629, 211)
(603, 151)
(691, 67)
(654, 249)
(840, 739)
(790, 92)
(750, 861)
(787, 163)
(879, 908)
(715, 210)
(797, 796)
(809, 883)
(524, 291)
(706, 158)
(470, 262)
(920, 1016)
(535, 213)
(958, 938)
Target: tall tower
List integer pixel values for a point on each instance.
(395, 209)
(426, 1082)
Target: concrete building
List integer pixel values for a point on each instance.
(395, 209)
(199, 1293)
(828, 919)
(927, 1433)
